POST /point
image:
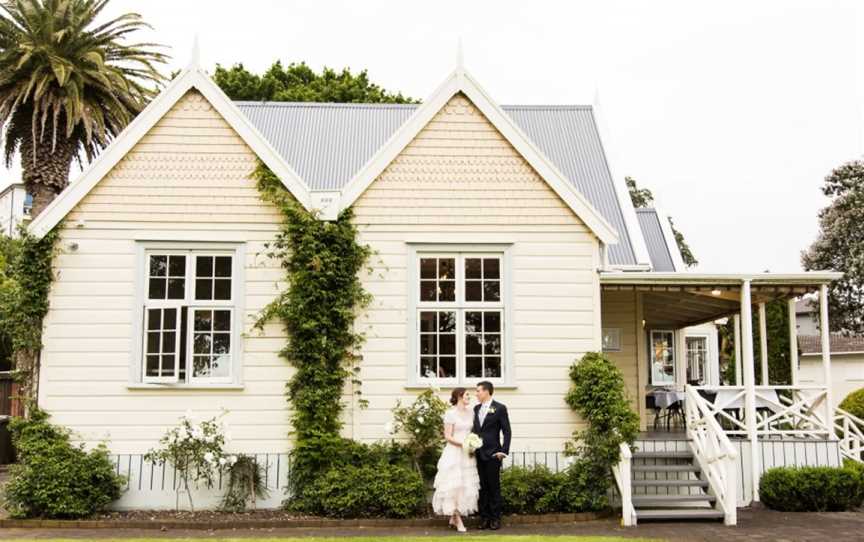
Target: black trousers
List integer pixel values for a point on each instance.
(490, 488)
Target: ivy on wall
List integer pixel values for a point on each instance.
(26, 274)
(322, 261)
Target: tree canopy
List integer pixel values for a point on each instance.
(297, 82)
(642, 197)
(840, 246)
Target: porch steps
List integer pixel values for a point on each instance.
(667, 484)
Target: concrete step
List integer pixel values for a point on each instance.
(688, 467)
(670, 500)
(670, 483)
(663, 455)
(679, 513)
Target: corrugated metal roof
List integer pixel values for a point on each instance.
(328, 143)
(658, 250)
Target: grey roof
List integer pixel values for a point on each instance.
(328, 143)
(840, 344)
(658, 249)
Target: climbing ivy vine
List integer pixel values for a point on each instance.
(322, 261)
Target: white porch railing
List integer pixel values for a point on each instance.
(850, 430)
(624, 479)
(714, 453)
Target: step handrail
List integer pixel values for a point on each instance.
(623, 477)
(714, 453)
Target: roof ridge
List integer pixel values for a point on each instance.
(274, 103)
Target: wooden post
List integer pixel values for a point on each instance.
(825, 333)
(763, 345)
(749, 383)
(739, 378)
(793, 344)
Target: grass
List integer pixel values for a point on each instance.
(505, 538)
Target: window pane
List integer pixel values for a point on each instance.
(176, 288)
(492, 322)
(223, 266)
(473, 290)
(428, 345)
(221, 366)
(472, 345)
(493, 367)
(473, 268)
(491, 290)
(427, 366)
(154, 319)
(427, 321)
(221, 343)
(447, 290)
(492, 344)
(204, 266)
(158, 266)
(473, 322)
(170, 319)
(447, 322)
(201, 366)
(447, 345)
(447, 269)
(428, 290)
(428, 268)
(153, 342)
(203, 320)
(203, 289)
(446, 367)
(201, 344)
(169, 342)
(152, 368)
(491, 268)
(222, 320)
(473, 367)
(177, 266)
(168, 365)
(156, 289)
(222, 291)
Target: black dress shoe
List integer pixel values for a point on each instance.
(495, 524)
(484, 524)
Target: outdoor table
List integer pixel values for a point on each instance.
(669, 400)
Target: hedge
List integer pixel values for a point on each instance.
(813, 489)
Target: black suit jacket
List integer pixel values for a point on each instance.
(496, 423)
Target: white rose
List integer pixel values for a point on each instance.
(420, 419)
(233, 459)
(181, 433)
(222, 461)
(417, 430)
(209, 457)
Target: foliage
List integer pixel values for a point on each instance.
(854, 403)
(537, 490)
(812, 489)
(67, 84)
(300, 83)
(777, 326)
(195, 449)
(244, 484)
(26, 274)
(54, 478)
(642, 197)
(422, 422)
(375, 490)
(598, 395)
(322, 260)
(840, 246)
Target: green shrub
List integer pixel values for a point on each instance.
(812, 489)
(522, 488)
(55, 479)
(854, 403)
(382, 490)
(537, 490)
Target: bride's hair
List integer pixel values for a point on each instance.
(456, 396)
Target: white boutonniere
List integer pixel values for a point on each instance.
(491, 410)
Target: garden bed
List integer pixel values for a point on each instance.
(262, 519)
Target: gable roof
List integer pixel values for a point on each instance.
(811, 345)
(327, 144)
(662, 248)
(193, 77)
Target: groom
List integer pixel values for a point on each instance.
(490, 422)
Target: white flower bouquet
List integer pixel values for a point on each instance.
(471, 443)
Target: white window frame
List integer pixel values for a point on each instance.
(415, 306)
(614, 334)
(706, 363)
(672, 348)
(191, 249)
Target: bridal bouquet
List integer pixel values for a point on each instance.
(471, 443)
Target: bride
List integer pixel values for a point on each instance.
(457, 484)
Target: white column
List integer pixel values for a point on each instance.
(825, 333)
(749, 383)
(793, 344)
(763, 345)
(680, 358)
(739, 378)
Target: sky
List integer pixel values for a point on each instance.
(731, 113)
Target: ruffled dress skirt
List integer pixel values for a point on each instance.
(457, 484)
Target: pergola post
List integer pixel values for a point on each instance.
(739, 378)
(793, 343)
(825, 333)
(763, 345)
(749, 383)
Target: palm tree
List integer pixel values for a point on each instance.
(67, 84)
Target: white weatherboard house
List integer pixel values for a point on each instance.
(506, 248)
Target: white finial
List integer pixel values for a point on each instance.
(459, 56)
(195, 57)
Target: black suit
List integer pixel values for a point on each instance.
(494, 425)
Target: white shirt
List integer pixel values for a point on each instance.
(484, 409)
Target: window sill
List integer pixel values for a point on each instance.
(415, 386)
(183, 387)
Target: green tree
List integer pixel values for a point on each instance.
(642, 197)
(67, 84)
(299, 83)
(840, 246)
(777, 327)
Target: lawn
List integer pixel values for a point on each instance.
(534, 538)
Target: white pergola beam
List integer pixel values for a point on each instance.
(749, 383)
(763, 345)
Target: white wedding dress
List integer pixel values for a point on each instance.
(457, 484)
